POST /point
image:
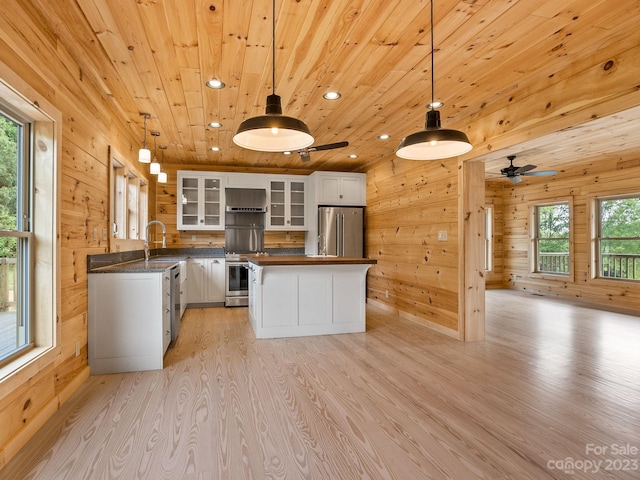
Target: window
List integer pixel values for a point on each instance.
(129, 201)
(15, 234)
(29, 242)
(551, 241)
(488, 239)
(619, 238)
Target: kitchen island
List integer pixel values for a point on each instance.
(293, 296)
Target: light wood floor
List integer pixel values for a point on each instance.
(552, 384)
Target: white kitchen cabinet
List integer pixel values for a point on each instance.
(205, 281)
(287, 203)
(129, 321)
(200, 201)
(336, 188)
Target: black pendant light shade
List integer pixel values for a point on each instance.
(273, 132)
(433, 142)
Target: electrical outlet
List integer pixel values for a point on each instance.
(77, 348)
(104, 234)
(193, 238)
(386, 293)
(442, 235)
(95, 234)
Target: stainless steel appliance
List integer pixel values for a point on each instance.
(243, 233)
(340, 231)
(236, 283)
(174, 303)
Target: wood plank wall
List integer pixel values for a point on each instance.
(417, 275)
(89, 126)
(581, 184)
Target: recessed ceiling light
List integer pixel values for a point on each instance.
(215, 149)
(331, 95)
(353, 155)
(287, 153)
(384, 136)
(215, 124)
(215, 83)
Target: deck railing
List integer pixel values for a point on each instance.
(614, 265)
(626, 266)
(553, 262)
(7, 284)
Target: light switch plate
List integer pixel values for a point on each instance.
(442, 235)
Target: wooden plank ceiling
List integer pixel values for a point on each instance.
(155, 56)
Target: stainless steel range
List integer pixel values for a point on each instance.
(243, 234)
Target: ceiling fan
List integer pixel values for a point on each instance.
(513, 173)
(304, 153)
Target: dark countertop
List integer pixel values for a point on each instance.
(293, 260)
(154, 264)
(161, 259)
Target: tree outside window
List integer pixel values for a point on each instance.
(551, 241)
(619, 238)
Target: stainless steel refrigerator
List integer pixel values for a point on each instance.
(340, 231)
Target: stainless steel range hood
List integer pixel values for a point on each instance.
(245, 199)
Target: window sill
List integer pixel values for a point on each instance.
(30, 362)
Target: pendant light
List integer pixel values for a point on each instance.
(144, 154)
(273, 132)
(154, 167)
(162, 176)
(434, 142)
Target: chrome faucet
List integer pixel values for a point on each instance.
(146, 237)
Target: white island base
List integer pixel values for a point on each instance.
(313, 298)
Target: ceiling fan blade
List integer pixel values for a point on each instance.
(524, 169)
(541, 173)
(328, 146)
(514, 179)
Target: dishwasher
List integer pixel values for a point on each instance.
(174, 295)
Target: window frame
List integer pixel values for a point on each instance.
(23, 270)
(488, 238)
(596, 259)
(44, 248)
(534, 239)
(128, 203)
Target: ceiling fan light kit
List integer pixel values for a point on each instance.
(434, 142)
(273, 132)
(514, 174)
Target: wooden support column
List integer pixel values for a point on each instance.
(471, 311)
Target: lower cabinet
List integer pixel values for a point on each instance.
(129, 321)
(205, 281)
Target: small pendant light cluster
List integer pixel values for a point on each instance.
(273, 132)
(162, 176)
(144, 154)
(434, 142)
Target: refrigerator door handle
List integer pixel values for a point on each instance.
(341, 235)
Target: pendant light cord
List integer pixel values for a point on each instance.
(433, 96)
(273, 47)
